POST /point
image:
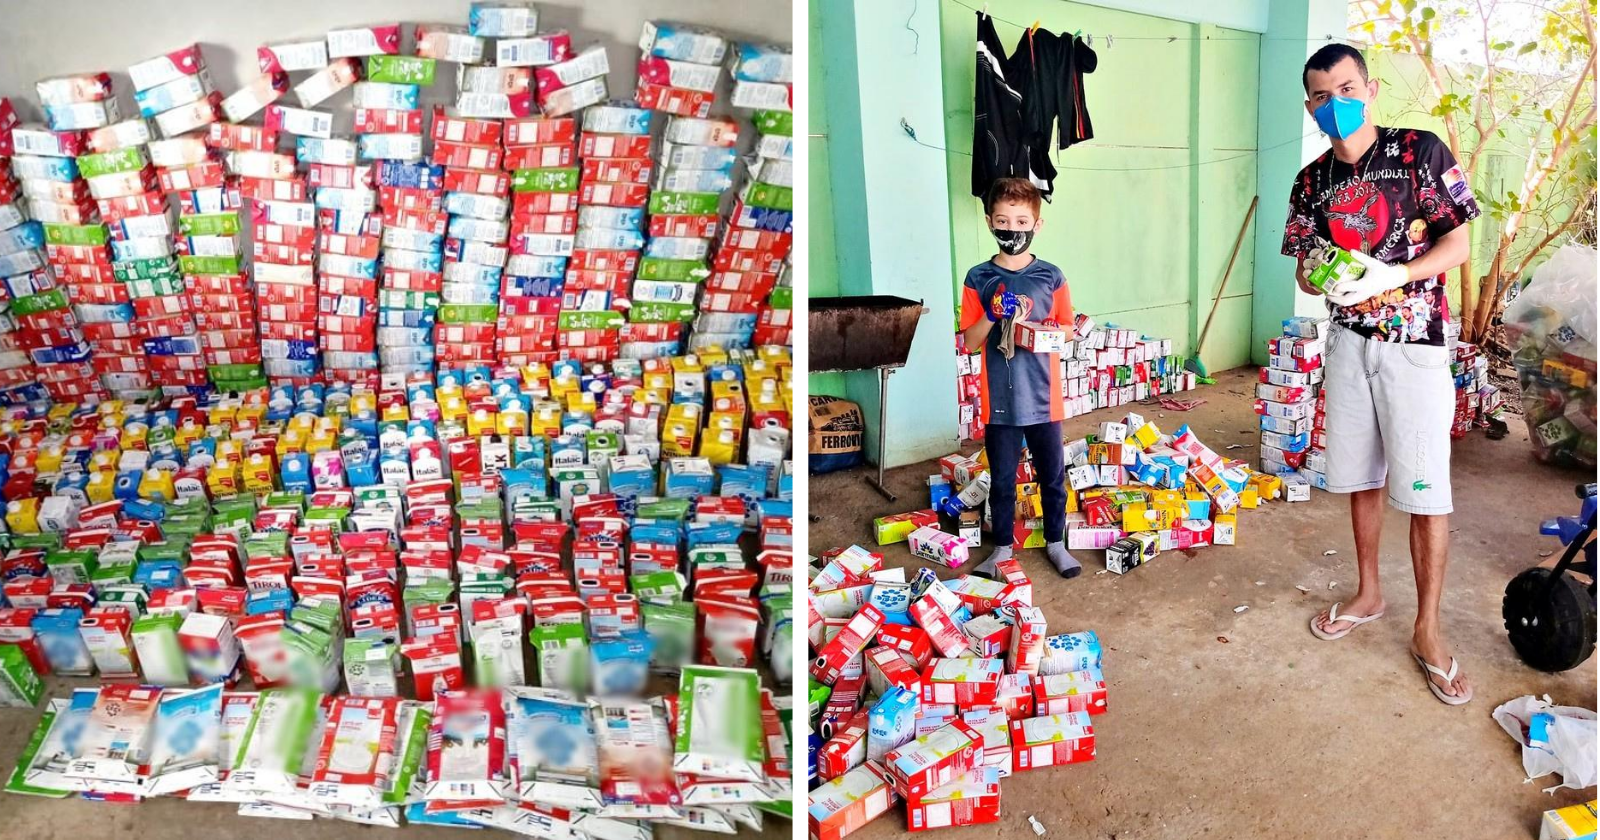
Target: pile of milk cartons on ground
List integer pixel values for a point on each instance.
(19, 246)
(1290, 401)
(308, 537)
(931, 692)
(1101, 367)
(1131, 491)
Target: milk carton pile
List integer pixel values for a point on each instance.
(931, 692)
(411, 541)
(1478, 401)
(1101, 366)
(228, 242)
(1292, 407)
(1132, 492)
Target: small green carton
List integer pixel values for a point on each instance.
(1334, 265)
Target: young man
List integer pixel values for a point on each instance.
(1398, 201)
(1021, 398)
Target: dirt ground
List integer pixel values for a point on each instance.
(1243, 725)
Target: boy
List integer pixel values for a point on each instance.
(1021, 400)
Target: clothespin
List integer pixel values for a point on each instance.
(986, 10)
(1108, 40)
(1034, 28)
(1090, 39)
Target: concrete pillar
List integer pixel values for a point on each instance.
(891, 206)
(1295, 30)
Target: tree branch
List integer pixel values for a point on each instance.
(1571, 222)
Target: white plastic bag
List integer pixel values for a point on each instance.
(1561, 294)
(1571, 747)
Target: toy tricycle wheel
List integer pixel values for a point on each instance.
(1553, 633)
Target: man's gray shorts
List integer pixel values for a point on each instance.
(1389, 411)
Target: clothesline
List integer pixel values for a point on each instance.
(912, 134)
(1111, 38)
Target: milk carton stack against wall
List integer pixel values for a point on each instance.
(1291, 404)
(18, 237)
(70, 240)
(614, 173)
(212, 337)
(296, 77)
(679, 71)
(753, 262)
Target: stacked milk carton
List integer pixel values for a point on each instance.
(477, 201)
(753, 256)
(614, 186)
(283, 217)
(565, 87)
(64, 201)
(530, 288)
(1290, 401)
(1477, 400)
(679, 68)
(774, 161)
(696, 169)
(762, 77)
(542, 159)
(516, 41)
(20, 241)
(190, 344)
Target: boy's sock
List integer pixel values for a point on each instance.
(987, 567)
(1057, 552)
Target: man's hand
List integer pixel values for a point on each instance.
(1378, 278)
(1300, 275)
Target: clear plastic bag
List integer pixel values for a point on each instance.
(1562, 742)
(1551, 329)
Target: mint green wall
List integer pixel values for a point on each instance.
(822, 272)
(1145, 214)
(1288, 140)
(1236, 14)
(891, 223)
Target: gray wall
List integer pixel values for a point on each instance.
(42, 38)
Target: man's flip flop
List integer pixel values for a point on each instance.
(1448, 677)
(1333, 616)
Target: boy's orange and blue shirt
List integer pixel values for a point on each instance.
(1026, 388)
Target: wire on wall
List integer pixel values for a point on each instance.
(911, 133)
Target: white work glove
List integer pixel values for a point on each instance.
(1379, 277)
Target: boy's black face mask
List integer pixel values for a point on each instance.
(1013, 242)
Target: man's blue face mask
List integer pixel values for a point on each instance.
(1340, 116)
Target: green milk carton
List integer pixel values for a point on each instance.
(563, 652)
(19, 685)
(1332, 265)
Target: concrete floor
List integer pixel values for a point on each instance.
(1274, 733)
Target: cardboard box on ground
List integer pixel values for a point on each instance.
(932, 693)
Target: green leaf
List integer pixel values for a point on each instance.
(1409, 5)
(1528, 48)
(1500, 45)
(1427, 13)
(1549, 115)
(1384, 7)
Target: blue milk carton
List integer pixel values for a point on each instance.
(891, 723)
